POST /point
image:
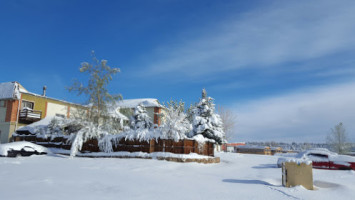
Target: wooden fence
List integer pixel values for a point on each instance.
(181, 147)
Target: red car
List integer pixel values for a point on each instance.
(323, 159)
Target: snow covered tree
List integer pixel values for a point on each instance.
(206, 122)
(100, 75)
(140, 118)
(175, 125)
(338, 140)
(189, 113)
(141, 125)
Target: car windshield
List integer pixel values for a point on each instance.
(318, 155)
(27, 148)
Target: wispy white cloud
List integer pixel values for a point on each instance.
(337, 72)
(284, 31)
(300, 116)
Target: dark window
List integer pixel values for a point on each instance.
(59, 115)
(27, 104)
(318, 155)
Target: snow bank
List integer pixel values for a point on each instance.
(154, 155)
(238, 176)
(201, 140)
(4, 148)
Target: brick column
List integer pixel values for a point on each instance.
(157, 119)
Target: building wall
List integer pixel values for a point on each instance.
(11, 110)
(6, 128)
(54, 109)
(2, 114)
(150, 112)
(48, 107)
(40, 103)
(157, 118)
(8, 116)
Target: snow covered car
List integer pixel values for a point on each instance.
(323, 159)
(15, 149)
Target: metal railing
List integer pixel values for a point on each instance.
(30, 115)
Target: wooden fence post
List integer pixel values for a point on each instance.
(151, 146)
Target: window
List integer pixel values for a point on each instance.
(2, 103)
(27, 104)
(318, 155)
(59, 115)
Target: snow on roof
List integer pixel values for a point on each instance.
(12, 90)
(116, 113)
(4, 148)
(132, 103)
(9, 90)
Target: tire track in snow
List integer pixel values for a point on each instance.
(284, 193)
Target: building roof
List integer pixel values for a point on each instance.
(116, 113)
(9, 90)
(12, 90)
(235, 144)
(132, 103)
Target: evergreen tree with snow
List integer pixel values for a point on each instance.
(189, 113)
(175, 125)
(141, 125)
(140, 118)
(205, 121)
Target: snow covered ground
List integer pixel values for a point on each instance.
(238, 176)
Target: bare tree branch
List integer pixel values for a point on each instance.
(338, 140)
(229, 119)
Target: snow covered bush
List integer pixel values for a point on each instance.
(141, 126)
(205, 121)
(89, 131)
(105, 143)
(140, 119)
(176, 124)
(50, 127)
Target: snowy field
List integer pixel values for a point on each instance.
(238, 176)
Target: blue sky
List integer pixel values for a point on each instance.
(287, 68)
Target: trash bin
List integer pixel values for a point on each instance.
(297, 172)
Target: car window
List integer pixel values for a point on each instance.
(318, 155)
(26, 148)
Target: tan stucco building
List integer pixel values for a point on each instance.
(19, 107)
